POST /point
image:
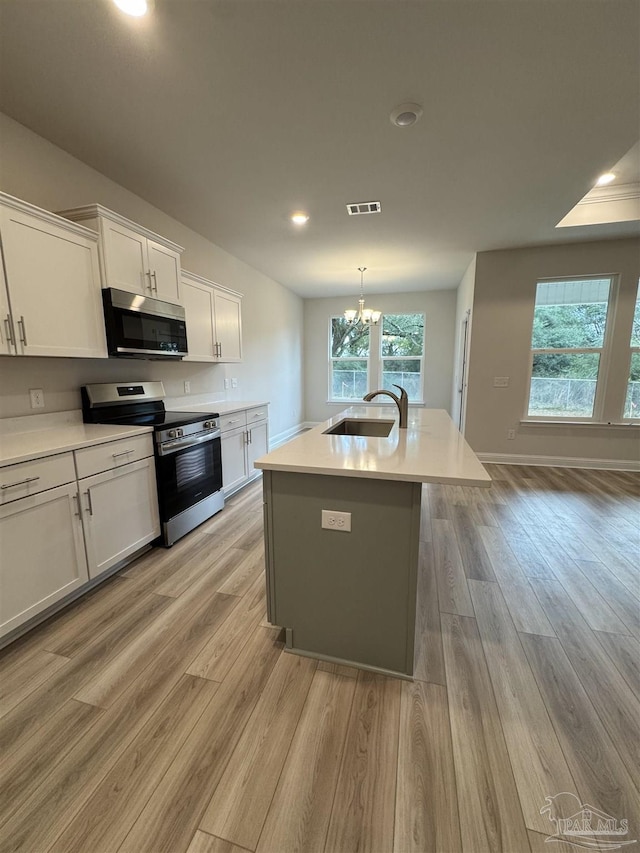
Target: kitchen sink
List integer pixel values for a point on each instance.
(360, 426)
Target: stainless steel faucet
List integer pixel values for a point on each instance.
(402, 402)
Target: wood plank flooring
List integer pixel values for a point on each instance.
(160, 714)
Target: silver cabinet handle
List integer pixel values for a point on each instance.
(9, 330)
(237, 421)
(123, 453)
(259, 415)
(89, 502)
(148, 272)
(249, 437)
(155, 282)
(19, 483)
(23, 334)
(76, 498)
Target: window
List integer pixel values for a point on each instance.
(363, 358)
(567, 347)
(632, 401)
(349, 360)
(402, 351)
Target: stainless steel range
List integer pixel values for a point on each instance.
(187, 450)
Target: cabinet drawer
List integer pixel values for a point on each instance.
(233, 420)
(259, 413)
(112, 454)
(29, 478)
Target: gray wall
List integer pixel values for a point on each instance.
(439, 307)
(272, 316)
(503, 305)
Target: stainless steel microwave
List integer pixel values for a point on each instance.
(140, 327)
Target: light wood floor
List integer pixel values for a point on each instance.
(161, 714)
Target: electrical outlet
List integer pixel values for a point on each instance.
(187, 386)
(227, 383)
(36, 396)
(511, 433)
(332, 520)
(234, 383)
(500, 381)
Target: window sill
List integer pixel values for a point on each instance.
(594, 424)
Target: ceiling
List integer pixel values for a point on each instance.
(231, 114)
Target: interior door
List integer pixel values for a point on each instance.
(463, 365)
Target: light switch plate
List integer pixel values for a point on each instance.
(500, 381)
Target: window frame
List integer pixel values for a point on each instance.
(604, 352)
(332, 359)
(382, 358)
(633, 348)
(375, 359)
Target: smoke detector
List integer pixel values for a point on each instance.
(360, 208)
(405, 115)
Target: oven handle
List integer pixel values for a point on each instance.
(169, 447)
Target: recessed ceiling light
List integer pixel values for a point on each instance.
(405, 115)
(299, 218)
(136, 8)
(605, 179)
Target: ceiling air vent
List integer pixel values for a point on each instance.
(362, 207)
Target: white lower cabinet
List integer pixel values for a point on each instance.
(42, 555)
(119, 513)
(57, 532)
(245, 437)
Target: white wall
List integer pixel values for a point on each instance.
(272, 316)
(439, 307)
(503, 306)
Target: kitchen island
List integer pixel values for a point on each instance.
(349, 595)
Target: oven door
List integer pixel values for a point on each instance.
(188, 475)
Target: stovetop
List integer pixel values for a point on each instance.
(164, 420)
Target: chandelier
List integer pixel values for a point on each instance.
(366, 316)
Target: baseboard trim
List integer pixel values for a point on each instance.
(283, 437)
(560, 461)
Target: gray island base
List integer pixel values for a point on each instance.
(350, 597)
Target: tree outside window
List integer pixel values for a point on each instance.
(567, 346)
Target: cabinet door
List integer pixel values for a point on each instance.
(42, 556)
(164, 265)
(125, 259)
(7, 346)
(197, 300)
(258, 445)
(228, 325)
(234, 459)
(53, 279)
(120, 513)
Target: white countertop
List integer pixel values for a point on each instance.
(24, 446)
(223, 407)
(430, 450)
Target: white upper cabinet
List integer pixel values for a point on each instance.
(133, 258)
(228, 325)
(214, 320)
(51, 300)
